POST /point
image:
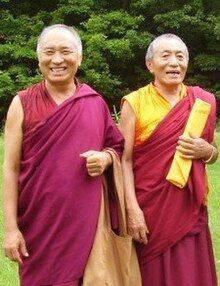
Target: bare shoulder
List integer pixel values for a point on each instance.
(15, 114)
(127, 112)
(127, 120)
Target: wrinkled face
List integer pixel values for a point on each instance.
(169, 62)
(58, 57)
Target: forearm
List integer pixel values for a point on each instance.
(13, 241)
(10, 199)
(128, 178)
(108, 158)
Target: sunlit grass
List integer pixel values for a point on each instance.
(8, 270)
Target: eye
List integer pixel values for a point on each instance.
(180, 57)
(67, 52)
(49, 52)
(165, 56)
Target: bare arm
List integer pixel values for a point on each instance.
(136, 221)
(13, 243)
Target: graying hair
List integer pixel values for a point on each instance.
(73, 32)
(150, 51)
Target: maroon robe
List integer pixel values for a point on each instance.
(59, 202)
(173, 214)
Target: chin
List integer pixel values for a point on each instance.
(58, 80)
(174, 82)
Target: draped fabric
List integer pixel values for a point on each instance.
(37, 105)
(149, 107)
(170, 212)
(58, 201)
(189, 262)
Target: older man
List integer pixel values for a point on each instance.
(56, 134)
(168, 222)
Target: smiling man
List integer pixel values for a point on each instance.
(56, 136)
(170, 224)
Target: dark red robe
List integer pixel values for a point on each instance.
(172, 213)
(59, 202)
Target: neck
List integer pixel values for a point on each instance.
(170, 93)
(60, 92)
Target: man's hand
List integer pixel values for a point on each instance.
(14, 245)
(96, 162)
(194, 148)
(137, 227)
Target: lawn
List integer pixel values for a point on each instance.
(214, 206)
(8, 270)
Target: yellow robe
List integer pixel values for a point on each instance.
(150, 108)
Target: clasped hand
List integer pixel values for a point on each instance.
(96, 162)
(194, 147)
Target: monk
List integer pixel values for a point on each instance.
(169, 223)
(56, 136)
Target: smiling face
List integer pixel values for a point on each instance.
(169, 62)
(58, 57)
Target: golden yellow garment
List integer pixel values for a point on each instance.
(180, 167)
(150, 108)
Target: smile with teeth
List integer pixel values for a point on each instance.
(173, 72)
(58, 69)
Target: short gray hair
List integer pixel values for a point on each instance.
(73, 32)
(150, 50)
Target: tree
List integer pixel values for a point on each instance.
(115, 36)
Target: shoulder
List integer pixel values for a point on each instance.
(135, 99)
(15, 112)
(31, 90)
(136, 95)
(203, 94)
(92, 97)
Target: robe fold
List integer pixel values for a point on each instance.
(59, 203)
(171, 212)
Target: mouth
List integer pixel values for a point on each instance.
(58, 69)
(173, 72)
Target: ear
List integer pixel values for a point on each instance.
(79, 60)
(149, 65)
(39, 59)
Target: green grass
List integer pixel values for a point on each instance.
(214, 206)
(8, 270)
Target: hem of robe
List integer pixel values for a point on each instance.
(76, 282)
(189, 262)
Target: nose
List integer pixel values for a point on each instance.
(57, 58)
(173, 61)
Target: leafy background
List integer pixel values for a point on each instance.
(115, 37)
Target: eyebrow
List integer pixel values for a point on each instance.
(62, 48)
(169, 51)
(67, 48)
(48, 48)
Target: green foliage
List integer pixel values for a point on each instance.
(116, 115)
(208, 62)
(115, 36)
